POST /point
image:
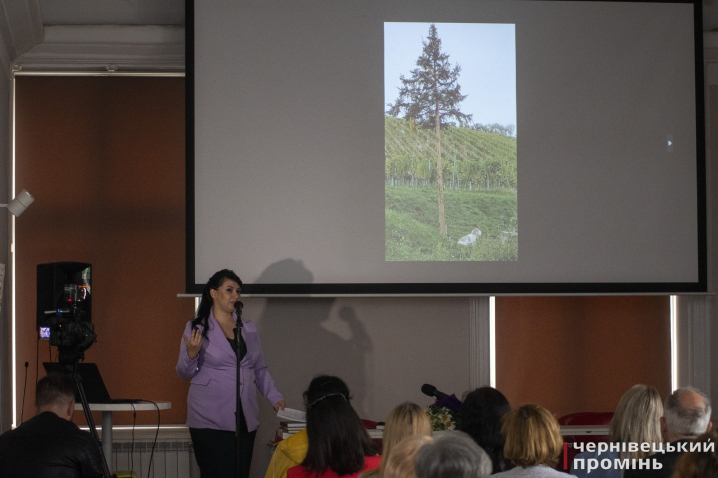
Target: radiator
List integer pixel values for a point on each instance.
(172, 459)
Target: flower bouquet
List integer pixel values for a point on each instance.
(442, 418)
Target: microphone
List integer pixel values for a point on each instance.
(431, 391)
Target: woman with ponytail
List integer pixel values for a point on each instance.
(339, 445)
(209, 355)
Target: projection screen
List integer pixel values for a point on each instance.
(398, 147)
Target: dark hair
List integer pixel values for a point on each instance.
(205, 304)
(54, 388)
(337, 437)
(700, 463)
(481, 414)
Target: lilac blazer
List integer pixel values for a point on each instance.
(212, 396)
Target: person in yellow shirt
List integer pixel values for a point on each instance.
(289, 452)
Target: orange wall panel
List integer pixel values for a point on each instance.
(580, 354)
(104, 158)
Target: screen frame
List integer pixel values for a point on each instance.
(460, 289)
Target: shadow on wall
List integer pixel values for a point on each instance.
(304, 337)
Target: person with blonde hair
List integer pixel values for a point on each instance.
(701, 463)
(403, 456)
(533, 443)
(686, 414)
(406, 419)
(637, 420)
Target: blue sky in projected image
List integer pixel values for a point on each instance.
(485, 51)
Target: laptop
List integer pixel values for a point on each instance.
(92, 382)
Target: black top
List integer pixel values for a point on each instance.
(242, 353)
(242, 346)
(668, 461)
(48, 446)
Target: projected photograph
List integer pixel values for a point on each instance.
(450, 142)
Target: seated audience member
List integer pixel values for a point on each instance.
(50, 445)
(339, 445)
(481, 414)
(401, 462)
(407, 419)
(289, 452)
(686, 414)
(701, 463)
(637, 420)
(452, 455)
(533, 443)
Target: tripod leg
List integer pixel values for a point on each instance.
(91, 423)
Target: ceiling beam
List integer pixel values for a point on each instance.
(21, 28)
(106, 48)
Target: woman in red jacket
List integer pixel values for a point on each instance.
(339, 445)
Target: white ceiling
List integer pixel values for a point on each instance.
(171, 12)
(112, 12)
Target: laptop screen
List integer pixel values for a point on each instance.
(92, 383)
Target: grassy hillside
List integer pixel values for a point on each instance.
(471, 159)
(412, 225)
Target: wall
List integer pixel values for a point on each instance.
(577, 354)
(385, 349)
(5, 325)
(712, 160)
(104, 158)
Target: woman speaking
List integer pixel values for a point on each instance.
(208, 355)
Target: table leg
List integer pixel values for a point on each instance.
(107, 437)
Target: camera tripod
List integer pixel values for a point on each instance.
(71, 369)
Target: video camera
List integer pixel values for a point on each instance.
(64, 309)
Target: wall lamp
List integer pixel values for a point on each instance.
(18, 205)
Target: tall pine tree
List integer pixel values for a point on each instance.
(431, 98)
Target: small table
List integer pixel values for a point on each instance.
(108, 408)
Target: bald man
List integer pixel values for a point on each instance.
(686, 414)
(49, 445)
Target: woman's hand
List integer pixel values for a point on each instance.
(279, 405)
(193, 344)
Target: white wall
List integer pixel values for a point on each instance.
(20, 29)
(385, 349)
(5, 350)
(712, 160)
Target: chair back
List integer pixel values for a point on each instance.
(581, 419)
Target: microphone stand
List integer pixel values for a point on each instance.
(237, 341)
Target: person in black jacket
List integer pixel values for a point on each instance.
(50, 445)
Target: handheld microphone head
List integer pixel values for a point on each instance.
(431, 391)
(427, 389)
